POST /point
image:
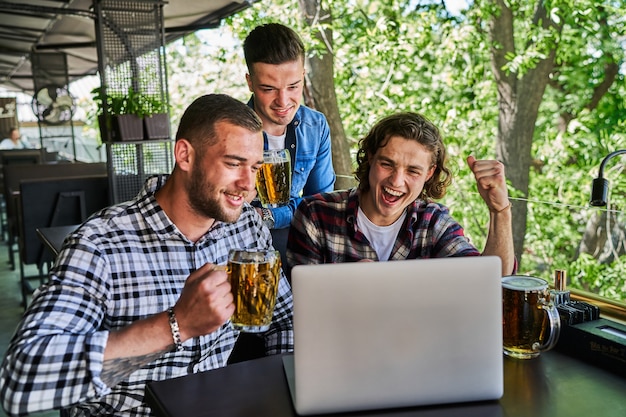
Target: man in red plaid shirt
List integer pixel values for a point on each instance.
(391, 214)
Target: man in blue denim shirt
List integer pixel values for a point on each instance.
(275, 58)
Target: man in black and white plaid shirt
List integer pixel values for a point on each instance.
(102, 327)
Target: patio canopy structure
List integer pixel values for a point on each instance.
(68, 26)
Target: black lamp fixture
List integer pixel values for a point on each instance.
(600, 186)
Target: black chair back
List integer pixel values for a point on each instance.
(15, 173)
(56, 202)
(20, 156)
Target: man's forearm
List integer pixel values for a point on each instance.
(118, 369)
(135, 346)
(500, 239)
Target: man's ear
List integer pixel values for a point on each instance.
(431, 172)
(184, 154)
(249, 81)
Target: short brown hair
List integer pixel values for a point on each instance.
(273, 44)
(197, 124)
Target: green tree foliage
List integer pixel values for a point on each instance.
(207, 61)
(394, 55)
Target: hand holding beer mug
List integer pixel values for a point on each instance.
(273, 180)
(531, 323)
(254, 277)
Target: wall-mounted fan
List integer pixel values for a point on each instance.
(53, 105)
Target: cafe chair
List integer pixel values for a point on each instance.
(14, 173)
(53, 202)
(11, 158)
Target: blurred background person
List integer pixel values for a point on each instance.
(14, 141)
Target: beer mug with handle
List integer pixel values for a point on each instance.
(273, 180)
(254, 277)
(531, 322)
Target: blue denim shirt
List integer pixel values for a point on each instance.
(308, 141)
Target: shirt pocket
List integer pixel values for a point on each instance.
(300, 175)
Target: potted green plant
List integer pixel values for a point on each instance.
(156, 118)
(125, 115)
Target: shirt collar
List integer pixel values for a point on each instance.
(159, 221)
(353, 205)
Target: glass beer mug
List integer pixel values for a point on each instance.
(531, 322)
(254, 277)
(273, 180)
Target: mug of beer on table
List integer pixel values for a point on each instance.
(531, 322)
(273, 180)
(253, 276)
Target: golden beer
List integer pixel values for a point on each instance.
(254, 280)
(273, 180)
(530, 322)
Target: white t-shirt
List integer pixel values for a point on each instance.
(382, 238)
(276, 142)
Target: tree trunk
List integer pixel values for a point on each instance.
(519, 98)
(321, 91)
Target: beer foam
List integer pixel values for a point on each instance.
(526, 283)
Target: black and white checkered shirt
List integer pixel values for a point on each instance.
(125, 263)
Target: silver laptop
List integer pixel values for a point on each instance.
(373, 335)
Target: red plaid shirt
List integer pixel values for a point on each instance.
(324, 230)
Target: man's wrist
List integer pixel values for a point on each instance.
(507, 207)
(268, 217)
(175, 329)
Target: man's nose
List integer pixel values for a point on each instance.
(247, 180)
(397, 177)
(282, 97)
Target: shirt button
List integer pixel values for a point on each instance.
(301, 169)
(293, 146)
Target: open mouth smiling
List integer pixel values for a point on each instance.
(392, 195)
(235, 197)
(282, 110)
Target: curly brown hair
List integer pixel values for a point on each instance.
(411, 126)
